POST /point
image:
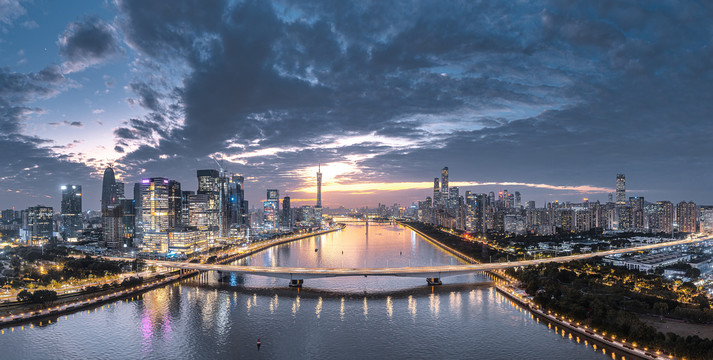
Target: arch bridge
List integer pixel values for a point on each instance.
(433, 274)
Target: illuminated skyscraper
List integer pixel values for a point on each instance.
(237, 207)
(111, 210)
(37, 225)
(271, 208)
(637, 211)
(444, 186)
(662, 218)
(620, 189)
(436, 193)
(155, 211)
(198, 211)
(71, 211)
(175, 206)
(687, 217)
(209, 183)
(319, 186)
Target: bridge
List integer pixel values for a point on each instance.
(433, 274)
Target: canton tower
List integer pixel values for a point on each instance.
(319, 186)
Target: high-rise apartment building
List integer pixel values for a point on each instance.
(637, 212)
(71, 210)
(661, 219)
(687, 217)
(706, 223)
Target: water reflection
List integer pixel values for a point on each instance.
(203, 318)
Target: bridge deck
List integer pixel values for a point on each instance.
(422, 271)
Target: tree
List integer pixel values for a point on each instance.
(661, 308)
(138, 264)
(532, 287)
(24, 296)
(693, 273)
(44, 296)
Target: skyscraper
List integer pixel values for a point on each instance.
(71, 211)
(436, 192)
(637, 211)
(128, 221)
(198, 211)
(620, 189)
(286, 213)
(236, 208)
(175, 205)
(109, 195)
(210, 183)
(271, 208)
(37, 225)
(687, 217)
(154, 215)
(444, 186)
(662, 218)
(111, 210)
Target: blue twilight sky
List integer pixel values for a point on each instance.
(549, 98)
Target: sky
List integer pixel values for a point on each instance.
(548, 98)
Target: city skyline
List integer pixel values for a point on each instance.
(547, 99)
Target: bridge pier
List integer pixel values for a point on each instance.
(296, 283)
(434, 281)
(223, 276)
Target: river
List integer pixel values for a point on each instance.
(332, 318)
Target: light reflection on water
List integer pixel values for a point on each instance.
(346, 318)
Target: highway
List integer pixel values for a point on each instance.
(294, 273)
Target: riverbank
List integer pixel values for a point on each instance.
(506, 288)
(28, 313)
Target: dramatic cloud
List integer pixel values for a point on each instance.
(549, 97)
(87, 42)
(541, 91)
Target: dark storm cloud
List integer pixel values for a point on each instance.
(540, 91)
(148, 97)
(260, 76)
(87, 42)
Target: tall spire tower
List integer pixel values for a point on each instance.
(319, 185)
